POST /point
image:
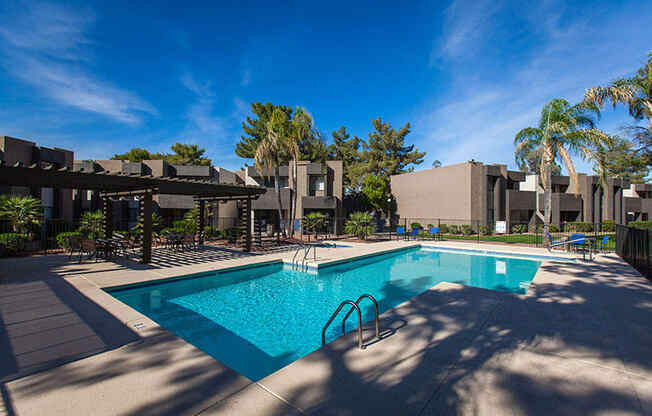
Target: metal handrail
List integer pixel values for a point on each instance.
(357, 302)
(301, 247)
(339, 308)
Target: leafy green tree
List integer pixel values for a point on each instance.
(386, 154)
(376, 192)
(182, 154)
(187, 154)
(562, 129)
(255, 129)
(347, 149)
(636, 93)
(138, 155)
(360, 224)
(22, 211)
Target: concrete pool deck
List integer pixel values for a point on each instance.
(579, 342)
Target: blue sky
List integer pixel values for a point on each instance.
(100, 78)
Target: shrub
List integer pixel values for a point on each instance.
(484, 230)
(415, 226)
(467, 229)
(454, 229)
(211, 232)
(553, 228)
(232, 234)
(13, 242)
(444, 228)
(360, 224)
(185, 226)
(643, 225)
(23, 212)
(314, 222)
(519, 228)
(62, 238)
(608, 226)
(579, 226)
(90, 224)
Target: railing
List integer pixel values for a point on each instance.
(354, 306)
(633, 245)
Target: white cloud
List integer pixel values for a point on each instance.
(47, 47)
(486, 108)
(246, 77)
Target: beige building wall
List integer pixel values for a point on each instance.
(444, 192)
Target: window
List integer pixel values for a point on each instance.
(317, 183)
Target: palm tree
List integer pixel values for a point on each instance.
(301, 126)
(22, 212)
(636, 94)
(562, 129)
(271, 150)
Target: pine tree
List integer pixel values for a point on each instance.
(255, 129)
(386, 153)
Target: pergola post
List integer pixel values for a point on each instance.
(107, 217)
(201, 221)
(248, 210)
(146, 221)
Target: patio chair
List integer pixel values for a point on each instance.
(89, 247)
(435, 233)
(414, 233)
(400, 231)
(578, 240)
(189, 242)
(74, 244)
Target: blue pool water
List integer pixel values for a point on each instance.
(257, 320)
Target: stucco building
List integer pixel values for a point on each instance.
(479, 194)
(57, 203)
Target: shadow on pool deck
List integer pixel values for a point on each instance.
(578, 343)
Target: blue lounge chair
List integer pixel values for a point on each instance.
(577, 240)
(414, 233)
(400, 231)
(435, 233)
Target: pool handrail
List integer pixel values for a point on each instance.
(339, 308)
(357, 302)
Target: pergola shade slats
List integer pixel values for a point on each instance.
(118, 183)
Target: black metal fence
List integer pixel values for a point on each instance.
(633, 245)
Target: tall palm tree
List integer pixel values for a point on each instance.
(563, 129)
(634, 92)
(301, 126)
(271, 151)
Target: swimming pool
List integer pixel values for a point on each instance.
(258, 319)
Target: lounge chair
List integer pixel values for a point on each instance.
(400, 231)
(414, 233)
(435, 233)
(578, 240)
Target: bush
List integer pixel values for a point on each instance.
(62, 238)
(13, 242)
(553, 228)
(454, 229)
(415, 226)
(643, 225)
(579, 226)
(608, 226)
(232, 234)
(467, 229)
(90, 224)
(315, 222)
(186, 226)
(485, 230)
(360, 224)
(443, 228)
(519, 228)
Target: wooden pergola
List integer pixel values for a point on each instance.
(118, 184)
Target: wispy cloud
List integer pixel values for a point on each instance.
(246, 77)
(464, 26)
(47, 46)
(486, 108)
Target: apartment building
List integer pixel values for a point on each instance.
(473, 192)
(319, 189)
(169, 207)
(638, 202)
(57, 203)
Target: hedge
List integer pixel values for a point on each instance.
(579, 226)
(62, 238)
(13, 242)
(643, 225)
